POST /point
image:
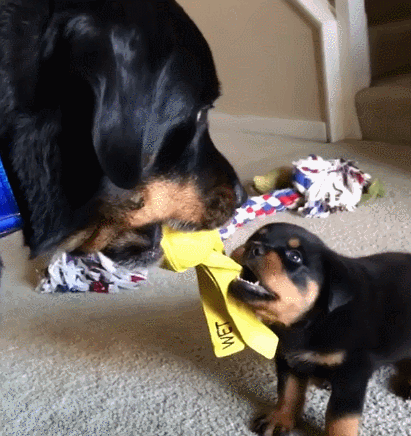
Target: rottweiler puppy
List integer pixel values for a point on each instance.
(338, 319)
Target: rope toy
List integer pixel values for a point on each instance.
(328, 186)
(262, 205)
(90, 273)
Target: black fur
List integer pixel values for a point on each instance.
(97, 95)
(363, 310)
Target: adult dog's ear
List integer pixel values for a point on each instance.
(21, 23)
(122, 164)
(52, 185)
(340, 289)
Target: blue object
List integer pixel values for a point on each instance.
(10, 218)
(302, 179)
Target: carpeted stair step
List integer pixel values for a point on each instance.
(390, 47)
(384, 110)
(387, 11)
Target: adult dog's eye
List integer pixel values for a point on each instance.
(294, 256)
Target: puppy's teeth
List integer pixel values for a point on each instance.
(257, 282)
(246, 281)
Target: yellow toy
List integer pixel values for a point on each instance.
(231, 324)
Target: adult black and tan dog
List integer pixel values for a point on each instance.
(103, 125)
(337, 318)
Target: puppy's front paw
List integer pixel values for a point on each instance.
(401, 387)
(276, 423)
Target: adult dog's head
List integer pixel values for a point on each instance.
(103, 120)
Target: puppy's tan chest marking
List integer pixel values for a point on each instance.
(344, 426)
(324, 359)
(291, 303)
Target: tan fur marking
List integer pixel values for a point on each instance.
(326, 359)
(294, 243)
(330, 359)
(346, 426)
(238, 254)
(294, 395)
(76, 240)
(289, 406)
(291, 303)
(165, 200)
(128, 238)
(100, 238)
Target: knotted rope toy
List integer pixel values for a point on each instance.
(328, 186)
(261, 205)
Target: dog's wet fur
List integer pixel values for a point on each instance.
(103, 125)
(337, 318)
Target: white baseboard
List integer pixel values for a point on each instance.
(312, 130)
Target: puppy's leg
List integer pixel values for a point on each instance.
(349, 385)
(401, 382)
(291, 396)
(345, 426)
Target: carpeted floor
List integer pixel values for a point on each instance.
(141, 363)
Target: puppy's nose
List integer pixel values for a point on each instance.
(240, 194)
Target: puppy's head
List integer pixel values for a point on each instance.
(283, 273)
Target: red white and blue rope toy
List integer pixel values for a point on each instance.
(328, 185)
(321, 187)
(266, 204)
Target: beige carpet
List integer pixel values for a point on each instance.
(140, 363)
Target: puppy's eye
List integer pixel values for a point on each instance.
(294, 256)
(202, 115)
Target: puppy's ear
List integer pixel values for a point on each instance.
(340, 286)
(339, 296)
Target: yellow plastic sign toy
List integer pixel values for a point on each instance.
(231, 323)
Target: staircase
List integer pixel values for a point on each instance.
(384, 109)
